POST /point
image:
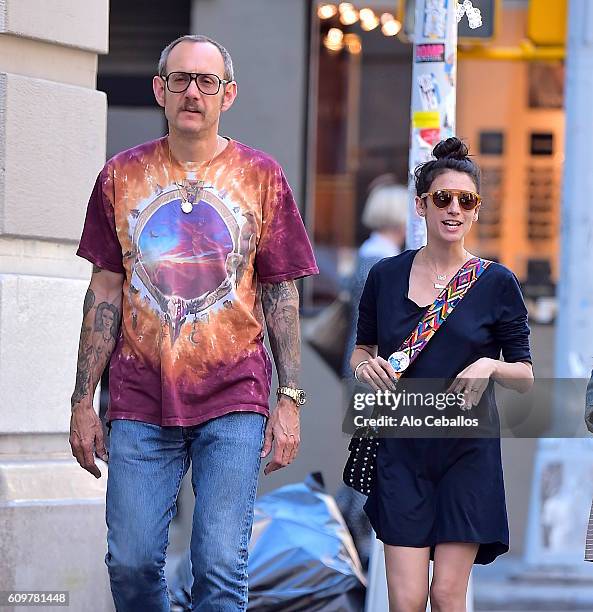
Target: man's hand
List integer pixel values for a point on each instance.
(86, 437)
(101, 315)
(280, 302)
(282, 432)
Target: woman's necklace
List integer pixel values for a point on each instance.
(441, 278)
(190, 190)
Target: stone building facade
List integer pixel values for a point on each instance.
(52, 144)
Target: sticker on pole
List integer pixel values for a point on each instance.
(435, 19)
(426, 120)
(430, 98)
(428, 53)
(431, 136)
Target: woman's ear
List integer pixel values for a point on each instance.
(420, 206)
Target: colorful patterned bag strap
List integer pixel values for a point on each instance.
(437, 313)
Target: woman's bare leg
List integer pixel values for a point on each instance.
(407, 578)
(453, 563)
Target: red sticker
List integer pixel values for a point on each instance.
(431, 135)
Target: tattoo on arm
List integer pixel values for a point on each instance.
(84, 365)
(280, 302)
(100, 329)
(89, 300)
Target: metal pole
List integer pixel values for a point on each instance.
(574, 332)
(434, 76)
(558, 517)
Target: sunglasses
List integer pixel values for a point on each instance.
(468, 200)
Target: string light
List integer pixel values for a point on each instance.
(353, 43)
(348, 14)
(334, 40)
(391, 27)
(368, 20)
(366, 13)
(349, 17)
(327, 11)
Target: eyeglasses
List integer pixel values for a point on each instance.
(468, 200)
(208, 84)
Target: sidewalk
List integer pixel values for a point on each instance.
(508, 585)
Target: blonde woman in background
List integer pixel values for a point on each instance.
(385, 213)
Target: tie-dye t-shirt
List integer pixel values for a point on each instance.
(191, 341)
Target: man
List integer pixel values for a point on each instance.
(194, 238)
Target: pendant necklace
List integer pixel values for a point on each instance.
(441, 278)
(191, 190)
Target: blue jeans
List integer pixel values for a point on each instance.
(146, 465)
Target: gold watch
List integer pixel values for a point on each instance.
(298, 396)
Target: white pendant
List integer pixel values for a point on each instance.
(439, 286)
(187, 207)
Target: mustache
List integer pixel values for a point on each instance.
(193, 108)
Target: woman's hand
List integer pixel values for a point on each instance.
(472, 381)
(378, 373)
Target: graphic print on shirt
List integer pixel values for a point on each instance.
(187, 264)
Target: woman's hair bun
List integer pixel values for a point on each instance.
(452, 148)
(450, 154)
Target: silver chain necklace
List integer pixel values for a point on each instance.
(441, 278)
(190, 190)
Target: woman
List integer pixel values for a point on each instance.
(384, 213)
(441, 498)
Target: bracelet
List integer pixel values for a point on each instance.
(356, 369)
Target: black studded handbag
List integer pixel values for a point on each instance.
(359, 471)
(361, 467)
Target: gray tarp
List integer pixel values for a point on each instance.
(301, 555)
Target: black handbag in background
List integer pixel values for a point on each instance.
(329, 330)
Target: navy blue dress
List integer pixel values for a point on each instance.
(434, 490)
